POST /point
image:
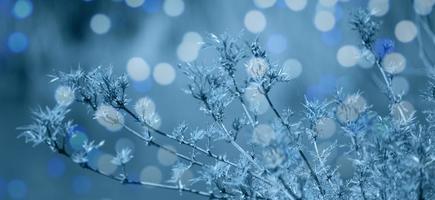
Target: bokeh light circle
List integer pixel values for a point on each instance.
(348, 55)
(324, 20)
(164, 73)
(255, 21)
(100, 23)
(138, 69)
(405, 31)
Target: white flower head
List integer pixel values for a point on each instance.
(122, 157)
(64, 95)
(263, 135)
(145, 108)
(109, 117)
(257, 67)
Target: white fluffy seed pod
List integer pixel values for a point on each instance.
(109, 117)
(257, 67)
(64, 95)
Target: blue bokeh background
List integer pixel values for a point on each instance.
(38, 37)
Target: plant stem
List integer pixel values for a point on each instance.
(301, 153)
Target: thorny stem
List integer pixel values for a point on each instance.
(289, 190)
(125, 180)
(150, 141)
(301, 153)
(390, 90)
(191, 145)
(242, 102)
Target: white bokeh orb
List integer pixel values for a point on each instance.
(348, 55)
(394, 63)
(263, 134)
(255, 21)
(292, 68)
(405, 31)
(423, 7)
(138, 69)
(105, 164)
(165, 157)
(151, 174)
(173, 8)
(264, 3)
(164, 73)
(188, 50)
(100, 23)
(134, 3)
(296, 5)
(324, 20)
(325, 127)
(378, 7)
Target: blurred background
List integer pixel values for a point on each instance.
(147, 39)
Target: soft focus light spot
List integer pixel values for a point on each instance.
(189, 47)
(151, 174)
(345, 167)
(405, 31)
(100, 23)
(423, 7)
(264, 3)
(257, 67)
(277, 43)
(292, 68)
(93, 158)
(367, 59)
(105, 164)
(77, 138)
(22, 9)
(165, 157)
(134, 3)
(138, 69)
(296, 5)
(350, 109)
(400, 85)
(164, 74)
(394, 63)
(324, 21)
(17, 189)
(325, 128)
(64, 95)
(263, 135)
(56, 167)
(348, 55)
(257, 102)
(328, 3)
(255, 21)
(378, 7)
(17, 42)
(404, 108)
(173, 8)
(123, 143)
(81, 185)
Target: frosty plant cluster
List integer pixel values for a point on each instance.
(392, 155)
